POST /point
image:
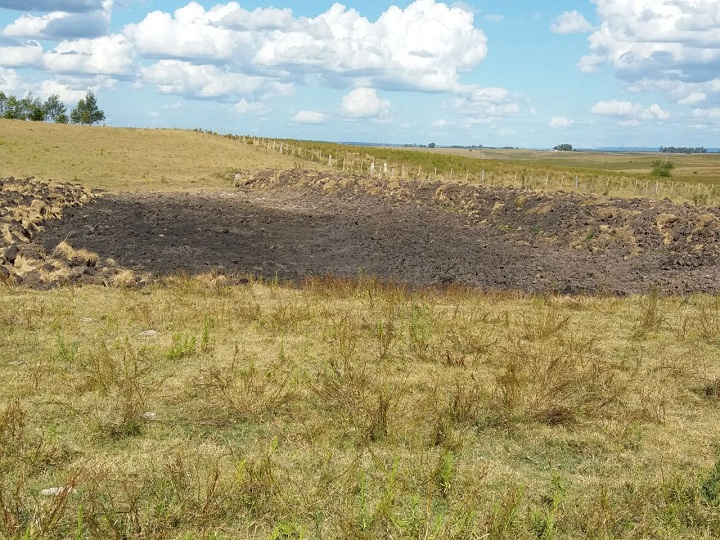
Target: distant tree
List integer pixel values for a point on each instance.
(683, 150)
(563, 147)
(87, 111)
(431, 145)
(15, 109)
(3, 103)
(33, 108)
(55, 110)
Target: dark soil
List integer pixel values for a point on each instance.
(294, 224)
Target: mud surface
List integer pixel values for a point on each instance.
(295, 224)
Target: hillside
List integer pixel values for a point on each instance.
(124, 159)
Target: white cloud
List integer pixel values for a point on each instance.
(192, 33)
(310, 117)
(630, 114)
(28, 55)
(250, 107)
(66, 92)
(481, 104)
(559, 122)
(693, 99)
(107, 55)
(73, 6)
(657, 40)
(440, 123)
(424, 47)
(711, 114)
(571, 22)
(9, 80)
(209, 81)
(258, 19)
(364, 103)
(62, 25)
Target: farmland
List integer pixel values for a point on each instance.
(221, 400)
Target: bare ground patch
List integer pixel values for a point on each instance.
(293, 224)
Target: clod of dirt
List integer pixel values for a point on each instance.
(26, 205)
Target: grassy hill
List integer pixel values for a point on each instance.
(126, 159)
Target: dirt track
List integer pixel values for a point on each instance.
(295, 224)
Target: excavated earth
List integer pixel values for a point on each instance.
(293, 224)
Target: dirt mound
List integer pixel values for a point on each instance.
(26, 205)
(293, 224)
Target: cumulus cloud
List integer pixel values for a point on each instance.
(693, 99)
(364, 103)
(708, 116)
(310, 117)
(208, 81)
(250, 107)
(559, 122)
(571, 22)
(107, 55)
(27, 55)
(8, 80)
(629, 113)
(69, 93)
(656, 40)
(62, 25)
(424, 47)
(191, 33)
(481, 104)
(72, 6)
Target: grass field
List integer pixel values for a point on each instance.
(126, 159)
(702, 168)
(339, 409)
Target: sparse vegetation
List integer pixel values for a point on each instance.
(225, 423)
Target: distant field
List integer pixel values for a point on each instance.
(689, 167)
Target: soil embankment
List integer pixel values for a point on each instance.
(293, 224)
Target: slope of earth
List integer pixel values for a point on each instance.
(293, 224)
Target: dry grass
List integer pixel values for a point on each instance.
(355, 410)
(126, 159)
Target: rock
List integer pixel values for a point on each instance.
(11, 253)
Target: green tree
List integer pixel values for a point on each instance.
(55, 110)
(563, 147)
(15, 109)
(87, 111)
(431, 145)
(3, 103)
(33, 108)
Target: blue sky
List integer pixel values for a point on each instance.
(497, 73)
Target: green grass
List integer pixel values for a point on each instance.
(355, 410)
(694, 178)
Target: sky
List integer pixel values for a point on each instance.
(522, 73)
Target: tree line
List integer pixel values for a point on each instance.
(51, 110)
(683, 150)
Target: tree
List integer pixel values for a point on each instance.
(15, 109)
(563, 147)
(55, 110)
(431, 145)
(33, 109)
(87, 111)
